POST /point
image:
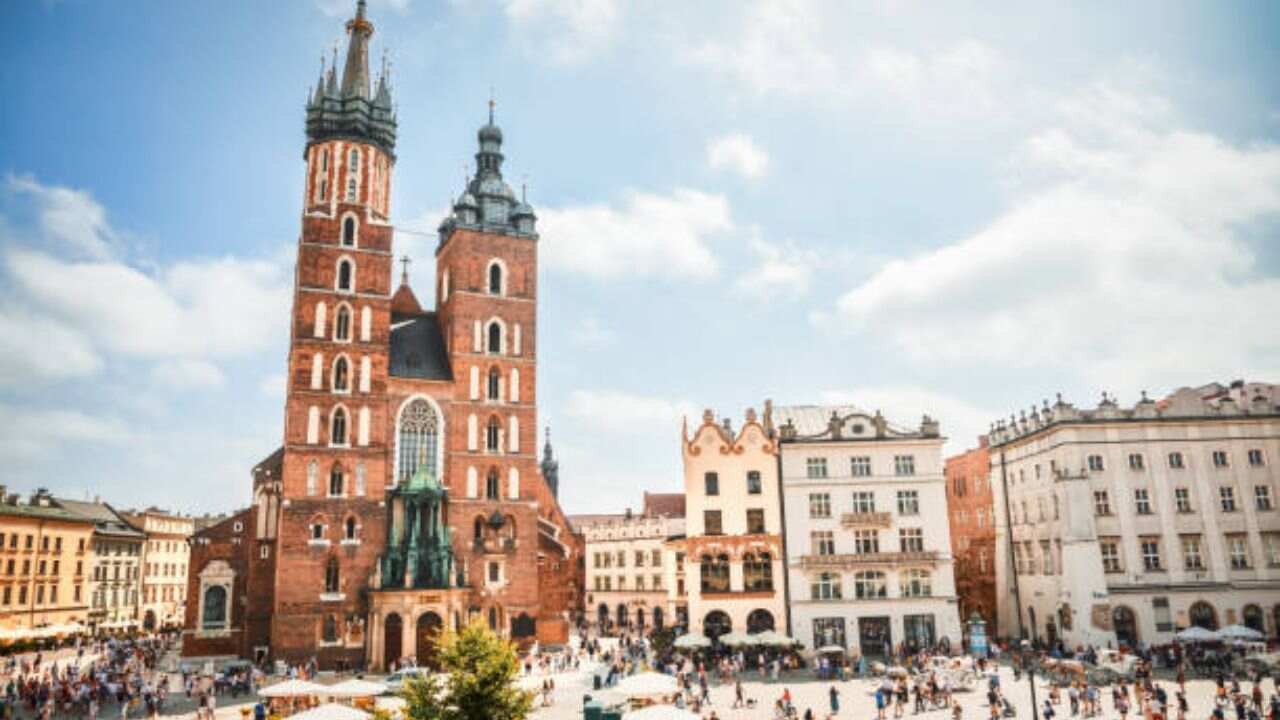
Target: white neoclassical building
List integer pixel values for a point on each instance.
(1127, 524)
(628, 567)
(728, 569)
(868, 547)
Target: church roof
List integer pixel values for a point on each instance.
(418, 350)
(404, 302)
(664, 504)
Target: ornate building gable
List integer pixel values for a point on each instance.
(814, 423)
(752, 436)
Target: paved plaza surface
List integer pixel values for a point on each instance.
(856, 699)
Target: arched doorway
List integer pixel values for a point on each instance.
(1126, 625)
(1203, 615)
(602, 613)
(640, 619)
(622, 615)
(1252, 616)
(149, 620)
(392, 636)
(657, 618)
(759, 620)
(715, 624)
(429, 626)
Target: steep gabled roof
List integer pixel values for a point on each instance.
(418, 349)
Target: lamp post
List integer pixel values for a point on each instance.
(1029, 666)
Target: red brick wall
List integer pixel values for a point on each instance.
(968, 494)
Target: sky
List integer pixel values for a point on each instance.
(952, 208)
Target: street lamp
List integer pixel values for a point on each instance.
(1029, 666)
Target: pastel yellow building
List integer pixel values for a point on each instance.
(45, 556)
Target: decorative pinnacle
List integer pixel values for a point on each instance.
(404, 272)
(492, 103)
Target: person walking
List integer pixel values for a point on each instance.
(834, 696)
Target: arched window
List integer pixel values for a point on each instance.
(335, 481)
(715, 573)
(342, 324)
(495, 338)
(338, 433)
(350, 533)
(330, 629)
(869, 584)
(215, 607)
(757, 572)
(353, 166)
(341, 375)
(332, 581)
(349, 232)
(491, 487)
(495, 382)
(493, 435)
(825, 587)
(346, 275)
(478, 527)
(419, 438)
(324, 189)
(495, 278)
(914, 583)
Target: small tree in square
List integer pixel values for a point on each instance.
(482, 670)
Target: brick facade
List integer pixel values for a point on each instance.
(971, 508)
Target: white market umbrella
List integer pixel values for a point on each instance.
(736, 638)
(293, 688)
(331, 711)
(647, 683)
(531, 682)
(770, 637)
(661, 712)
(1239, 632)
(356, 688)
(691, 642)
(826, 649)
(1195, 633)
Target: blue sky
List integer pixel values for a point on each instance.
(957, 209)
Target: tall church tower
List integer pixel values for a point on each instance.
(335, 442)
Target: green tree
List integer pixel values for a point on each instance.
(480, 684)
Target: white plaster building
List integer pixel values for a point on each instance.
(1128, 524)
(165, 556)
(733, 562)
(627, 566)
(868, 543)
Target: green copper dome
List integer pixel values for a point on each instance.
(423, 480)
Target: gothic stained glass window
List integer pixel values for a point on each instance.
(419, 436)
(215, 607)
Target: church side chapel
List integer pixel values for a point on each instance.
(408, 495)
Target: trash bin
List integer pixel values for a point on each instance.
(592, 710)
(596, 682)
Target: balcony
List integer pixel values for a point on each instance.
(494, 546)
(852, 561)
(865, 520)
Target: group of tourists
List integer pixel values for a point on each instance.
(116, 673)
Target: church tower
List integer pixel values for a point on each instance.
(335, 442)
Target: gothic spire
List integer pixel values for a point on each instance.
(355, 74)
(550, 466)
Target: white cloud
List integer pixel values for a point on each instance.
(565, 31)
(592, 334)
(906, 405)
(67, 216)
(777, 48)
(273, 386)
(35, 347)
(614, 411)
(739, 153)
(218, 307)
(1125, 261)
(347, 8)
(955, 80)
(38, 430)
(667, 235)
(188, 375)
(781, 270)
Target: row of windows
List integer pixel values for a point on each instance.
(337, 480)
(982, 517)
(1262, 501)
(41, 568)
(712, 522)
(168, 593)
(860, 466)
(757, 573)
(823, 542)
(606, 560)
(869, 584)
(166, 570)
(48, 543)
(864, 501)
(1193, 551)
(711, 483)
(605, 583)
(44, 595)
(349, 190)
(342, 322)
(1176, 460)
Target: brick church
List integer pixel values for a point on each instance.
(407, 496)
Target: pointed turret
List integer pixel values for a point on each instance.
(355, 74)
(550, 466)
(349, 110)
